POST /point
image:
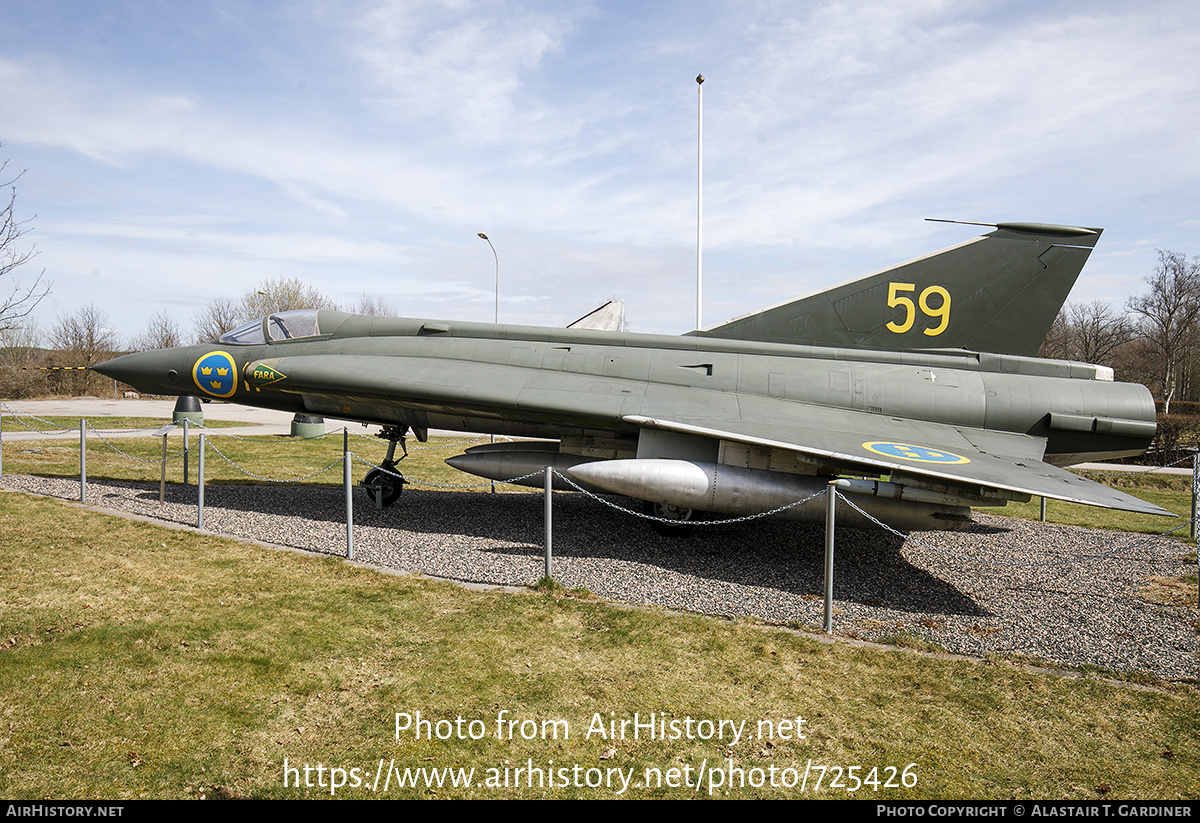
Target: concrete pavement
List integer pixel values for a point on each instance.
(258, 421)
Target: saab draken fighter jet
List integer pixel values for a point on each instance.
(919, 382)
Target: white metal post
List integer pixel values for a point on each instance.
(200, 486)
(82, 460)
(549, 521)
(162, 476)
(346, 472)
(830, 511)
(1195, 494)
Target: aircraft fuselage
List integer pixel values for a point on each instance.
(867, 379)
(543, 382)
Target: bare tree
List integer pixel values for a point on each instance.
(1136, 362)
(372, 305)
(282, 294)
(1169, 317)
(162, 332)
(1097, 332)
(1057, 345)
(81, 339)
(23, 335)
(1088, 332)
(85, 332)
(21, 358)
(218, 317)
(18, 301)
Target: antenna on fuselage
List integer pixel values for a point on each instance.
(962, 222)
(1033, 228)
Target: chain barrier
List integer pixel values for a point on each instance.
(159, 460)
(909, 538)
(441, 447)
(59, 429)
(212, 432)
(371, 437)
(63, 429)
(413, 482)
(249, 473)
(573, 484)
(454, 445)
(671, 522)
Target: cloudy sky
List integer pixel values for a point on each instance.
(177, 152)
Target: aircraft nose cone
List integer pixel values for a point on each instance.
(148, 371)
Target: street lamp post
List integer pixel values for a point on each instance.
(496, 313)
(496, 317)
(699, 192)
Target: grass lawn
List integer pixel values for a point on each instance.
(317, 461)
(54, 424)
(141, 661)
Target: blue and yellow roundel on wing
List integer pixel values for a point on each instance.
(918, 454)
(215, 374)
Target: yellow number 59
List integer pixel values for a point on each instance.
(895, 298)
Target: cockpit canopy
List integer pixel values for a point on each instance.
(284, 325)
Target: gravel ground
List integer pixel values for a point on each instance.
(1059, 594)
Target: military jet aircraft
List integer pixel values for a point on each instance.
(922, 373)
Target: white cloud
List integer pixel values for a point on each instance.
(459, 63)
(567, 131)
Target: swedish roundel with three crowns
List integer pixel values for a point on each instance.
(215, 374)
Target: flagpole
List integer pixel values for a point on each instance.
(699, 196)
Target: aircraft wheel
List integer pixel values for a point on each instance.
(682, 517)
(389, 485)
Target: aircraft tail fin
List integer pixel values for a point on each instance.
(997, 293)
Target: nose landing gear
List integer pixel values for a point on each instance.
(384, 485)
(382, 489)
